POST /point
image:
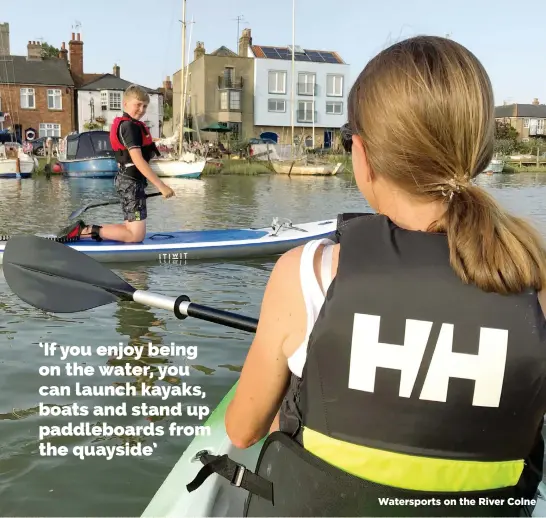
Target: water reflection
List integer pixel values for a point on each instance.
(126, 484)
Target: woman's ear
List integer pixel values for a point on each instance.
(361, 167)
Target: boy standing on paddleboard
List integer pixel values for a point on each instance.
(134, 148)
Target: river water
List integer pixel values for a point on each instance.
(31, 484)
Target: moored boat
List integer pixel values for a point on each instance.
(496, 166)
(87, 155)
(10, 153)
(319, 169)
(186, 167)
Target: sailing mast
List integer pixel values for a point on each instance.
(293, 75)
(182, 80)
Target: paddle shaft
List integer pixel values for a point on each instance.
(182, 307)
(79, 212)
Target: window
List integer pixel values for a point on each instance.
(50, 130)
(115, 100)
(276, 105)
(28, 99)
(54, 100)
(306, 84)
(305, 111)
(334, 86)
(230, 100)
(235, 100)
(104, 100)
(277, 82)
(334, 108)
(224, 100)
(525, 123)
(228, 77)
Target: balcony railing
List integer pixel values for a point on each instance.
(226, 83)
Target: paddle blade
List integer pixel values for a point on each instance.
(77, 212)
(53, 277)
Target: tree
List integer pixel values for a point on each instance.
(49, 51)
(167, 112)
(505, 131)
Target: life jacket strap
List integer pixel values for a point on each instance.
(237, 475)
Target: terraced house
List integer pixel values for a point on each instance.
(529, 120)
(36, 93)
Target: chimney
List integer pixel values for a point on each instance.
(34, 51)
(116, 71)
(167, 84)
(4, 39)
(63, 53)
(245, 42)
(535, 101)
(199, 50)
(75, 50)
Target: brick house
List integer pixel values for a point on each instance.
(36, 93)
(529, 120)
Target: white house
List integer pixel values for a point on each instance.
(103, 98)
(320, 96)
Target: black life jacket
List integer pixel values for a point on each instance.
(420, 396)
(148, 149)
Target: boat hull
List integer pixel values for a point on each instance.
(310, 170)
(177, 168)
(89, 168)
(8, 168)
(495, 167)
(181, 246)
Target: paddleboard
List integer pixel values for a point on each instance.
(216, 497)
(187, 245)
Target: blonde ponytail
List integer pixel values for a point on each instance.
(424, 110)
(490, 248)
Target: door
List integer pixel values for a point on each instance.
(328, 138)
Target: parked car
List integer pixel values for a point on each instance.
(39, 143)
(261, 141)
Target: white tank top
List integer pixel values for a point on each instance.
(313, 295)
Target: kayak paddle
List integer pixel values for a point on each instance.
(54, 277)
(80, 211)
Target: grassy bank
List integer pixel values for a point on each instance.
(243, 167)
(40, 170)
(228, 166)
(516, 168)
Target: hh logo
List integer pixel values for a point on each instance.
(486, 368)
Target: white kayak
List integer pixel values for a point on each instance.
(187, 245)
(216, 496)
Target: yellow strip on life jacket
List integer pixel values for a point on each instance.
(412, 472)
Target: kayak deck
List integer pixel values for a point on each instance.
(186, 245)
(216, 496)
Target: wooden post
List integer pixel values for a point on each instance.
(48, 153)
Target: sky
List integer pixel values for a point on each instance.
(144, 36)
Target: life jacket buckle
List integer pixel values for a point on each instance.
(238, 476)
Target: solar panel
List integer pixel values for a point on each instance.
(270, 53)
(329, 58)
(315, 57)
(311, 55)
